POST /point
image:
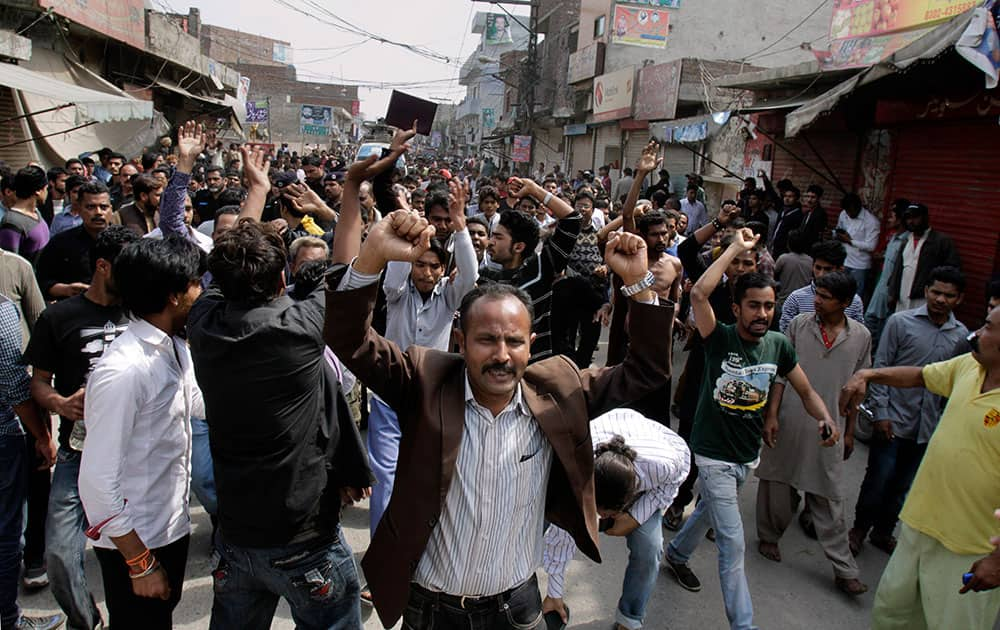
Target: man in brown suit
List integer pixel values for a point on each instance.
(139, 215)
(491, 448)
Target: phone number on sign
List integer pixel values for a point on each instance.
(955, 9)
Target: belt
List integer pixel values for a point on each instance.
(472, 604)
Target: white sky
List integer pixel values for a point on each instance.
(440, 25)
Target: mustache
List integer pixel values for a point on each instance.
(760, 321)
(498, 366)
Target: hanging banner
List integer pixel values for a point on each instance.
(497, 30)
(521, 151)
(489, 119)
(315, 120)
(659, 4)
(864, 18)
(637, 26)
(258, 111)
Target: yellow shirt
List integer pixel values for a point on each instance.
(957, 487)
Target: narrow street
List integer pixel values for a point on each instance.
(798, 593)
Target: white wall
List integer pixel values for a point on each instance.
(722, 30)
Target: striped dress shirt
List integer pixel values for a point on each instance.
(803, 301)
(661, 466)
(489, 536)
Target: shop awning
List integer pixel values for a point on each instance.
(89, 105)
(56, 134)
(236, 109)
(935, 42)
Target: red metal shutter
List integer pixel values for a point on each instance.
(951, 168)
(839, 151)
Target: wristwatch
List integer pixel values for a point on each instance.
(639, 286)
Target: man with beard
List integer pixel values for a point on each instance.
(741, 363)
(140, 215)
(948, 535)
(512, 248)
(65, 265)
(68, 340)
(206, 202)
(721, 300)
(57, 201)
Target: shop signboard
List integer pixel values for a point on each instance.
(865, 18)
(586, 63)
(656, 96)
(122, 20)
(613, 94)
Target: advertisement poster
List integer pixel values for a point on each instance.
(489, 119)
(863, 18)
(315, 120)
(257, 111)
(521, 151)
(638, 26)
(860, 52)
(659, 4)
(498, 29)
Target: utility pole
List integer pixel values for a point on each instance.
(529, 79)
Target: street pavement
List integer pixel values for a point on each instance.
(797, 593)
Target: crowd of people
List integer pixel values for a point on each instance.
(225, 322)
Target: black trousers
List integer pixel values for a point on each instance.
(686, 407)
(520, 608)
(128, 610)
(39, 484)
(575, 301)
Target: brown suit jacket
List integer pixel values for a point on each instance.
(427, 390)
(133, 218)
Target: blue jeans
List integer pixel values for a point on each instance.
(383, 450)
(13, 489)
(65, 544)
(202, 473)
(318, 579)
(891, 468)
(860, 276)
(720, 508)
(645, 545)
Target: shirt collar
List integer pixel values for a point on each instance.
(517, 402)
(921, 311)
(148, 333)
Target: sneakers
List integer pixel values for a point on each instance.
(40, 623)
(685, 576)
(35, 578)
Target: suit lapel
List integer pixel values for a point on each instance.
(550, 418)
(451, 416)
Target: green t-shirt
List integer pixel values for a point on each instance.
(736, 382)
